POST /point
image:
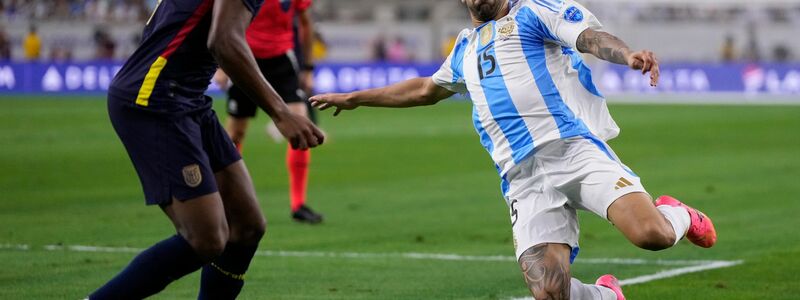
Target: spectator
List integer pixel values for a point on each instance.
(752, 53)
(5, 45)
(397, 51)
(782, 54)
(104, 44)
(319, 50)
(61, 52)
(448, 45)
(728, 49)
(379, 49)
(32, 45)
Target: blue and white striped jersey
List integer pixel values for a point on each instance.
(527, 83)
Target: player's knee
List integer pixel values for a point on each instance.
(654, 237)
(249, 232)
(209, 245)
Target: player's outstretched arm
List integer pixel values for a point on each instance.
(226, 41)
(413, 92)
(610, 48)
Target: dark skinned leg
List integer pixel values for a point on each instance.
(223, 278)
(202, 234)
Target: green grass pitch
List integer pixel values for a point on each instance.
(397, 181)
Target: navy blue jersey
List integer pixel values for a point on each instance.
(172, 68)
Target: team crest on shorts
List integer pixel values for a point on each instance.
(192, 176)
(506, 30)
(573, 15)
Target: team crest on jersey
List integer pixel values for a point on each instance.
(506, 30)
(192, 176)
(487, 33)
(573, 15)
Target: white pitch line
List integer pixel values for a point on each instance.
(680, 271)
(690, 266)
(79, 248)
(14, 247)
(406, 255)
(703, 266)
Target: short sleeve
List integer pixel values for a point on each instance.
(302, 5)
(564, 20)
(451, 75)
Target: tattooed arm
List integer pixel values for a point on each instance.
(610, 48)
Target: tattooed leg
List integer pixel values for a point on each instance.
(546, 271)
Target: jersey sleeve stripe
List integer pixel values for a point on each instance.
(457, 62)
(143, 98)
(190, 24)
(568, 124)
(149, 82)
(505, 113)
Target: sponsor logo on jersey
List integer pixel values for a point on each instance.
(192, 176)
(573, 15)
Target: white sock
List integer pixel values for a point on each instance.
(679, 218)
(581, 291)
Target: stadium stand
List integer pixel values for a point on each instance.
(352, 27)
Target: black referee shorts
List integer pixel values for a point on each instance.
(280, 72)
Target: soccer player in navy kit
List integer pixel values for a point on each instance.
(186, 162)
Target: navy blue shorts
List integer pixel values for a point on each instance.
(175, 155)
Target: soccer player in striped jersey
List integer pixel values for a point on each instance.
(545, 125)
(186, 163)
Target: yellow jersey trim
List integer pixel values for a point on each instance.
(143, 99)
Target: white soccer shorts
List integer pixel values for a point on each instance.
(546, 188)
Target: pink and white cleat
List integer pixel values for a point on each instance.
(701, 232)
(612, 283)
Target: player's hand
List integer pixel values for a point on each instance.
(340, 101)
(646, 61)
(299, 131)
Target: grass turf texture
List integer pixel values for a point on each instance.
(412, 180)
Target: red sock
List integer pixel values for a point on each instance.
(297, 163)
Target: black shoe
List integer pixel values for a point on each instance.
(305, 215)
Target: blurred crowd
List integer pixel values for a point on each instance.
(32, 46)
(707, 11)
(111, 29)
(42, 44)
(687, 13)
(72, 10)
